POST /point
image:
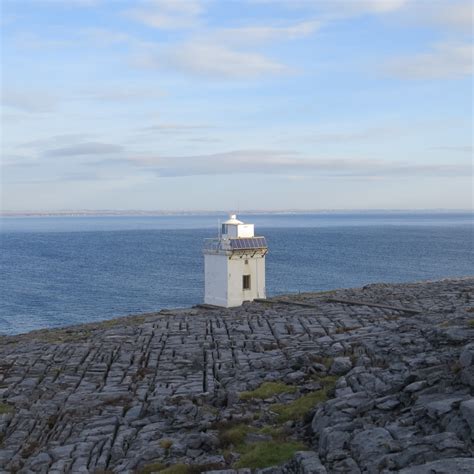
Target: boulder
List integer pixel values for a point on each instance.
(340, 366)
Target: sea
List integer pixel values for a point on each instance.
(61, 271)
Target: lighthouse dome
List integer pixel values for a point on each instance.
(233, 220)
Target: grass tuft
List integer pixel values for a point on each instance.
(267, 390)
(267, 453)
(234, 435)
(302, 406)
(166, 443)
(299, 408)
(179, 468)
(5, 409)
(326, 361)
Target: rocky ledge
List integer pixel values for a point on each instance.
(376, 379)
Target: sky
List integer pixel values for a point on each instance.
(236, 104)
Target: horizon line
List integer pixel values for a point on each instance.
(158, 212)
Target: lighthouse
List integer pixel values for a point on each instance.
(234, 265)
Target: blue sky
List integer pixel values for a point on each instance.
(248, 104)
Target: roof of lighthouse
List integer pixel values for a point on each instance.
(233, 220)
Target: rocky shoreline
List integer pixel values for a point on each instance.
(375, 379)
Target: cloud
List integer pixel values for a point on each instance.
(105, 37)
(339, 9)
(55, 140)
(121, 94)
(288, 163)
(460, 149)
(213, 60)
(257, 34)
(347, 137)
(167, 14)
(377, 6)
(89, 148)
(69, 3)
(445, 61)
(172, 128)
(452, 15)
(33, 101)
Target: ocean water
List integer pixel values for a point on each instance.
(57, 271)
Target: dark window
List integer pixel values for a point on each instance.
(224, 228)
(246, 282)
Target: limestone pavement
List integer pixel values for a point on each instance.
(160, 389)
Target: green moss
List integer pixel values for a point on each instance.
(470, 323)
(276, 432)
(299, 408)
(160, 467)
(267, 390)
(5, 409)
(267, 453)
(329, 381)
(234, 435)
(326, 361)
(177, 469)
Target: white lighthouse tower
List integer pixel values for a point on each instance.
(234, 265)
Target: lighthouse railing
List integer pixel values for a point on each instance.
(250, 243)
(213, 245)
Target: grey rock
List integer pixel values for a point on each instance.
(340, 366)
(443, 466)
(467, 411)
(369, 445)
(439, 404)
(295, 377)
(415, 386)
(332, 439)
(106, 396)
(305, 462)
(346, 465)
(466, 358)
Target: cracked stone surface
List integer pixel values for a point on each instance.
(126, 393)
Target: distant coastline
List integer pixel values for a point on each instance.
(138, 212)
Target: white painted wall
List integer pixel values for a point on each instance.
(215, 278)
(224, 279)
(245, 230)
(237, 268)
(235, 231)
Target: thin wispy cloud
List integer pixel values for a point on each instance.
(29, 100)
(81, 149)
(459, 149)
(211, 60)
(445, 61)
(361, 7)
(166, 14)
(342, 9)
(175, 128)
(67, 139)
(453, 16)
(288, 163)
(105, 36)
(265, 33)
(125, 92)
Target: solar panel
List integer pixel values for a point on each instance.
(248, 243)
